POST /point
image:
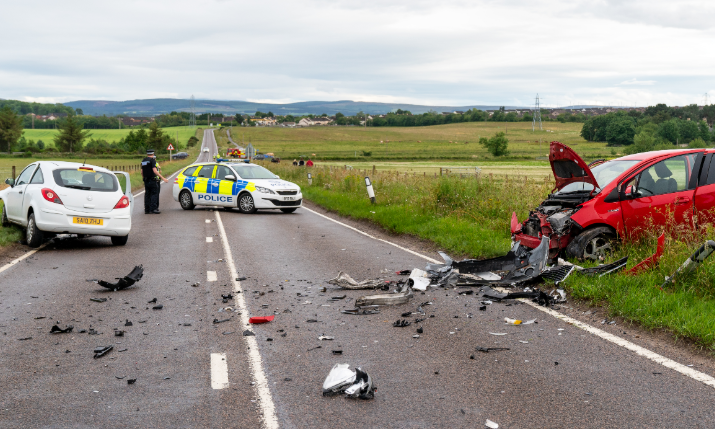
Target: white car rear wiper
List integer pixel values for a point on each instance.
(84, 188)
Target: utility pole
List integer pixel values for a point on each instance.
(537, 114)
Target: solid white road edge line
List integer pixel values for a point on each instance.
(655, 357)
(219, 371)
(270, 421)
(20, 258)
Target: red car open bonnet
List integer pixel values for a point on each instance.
(569, 167)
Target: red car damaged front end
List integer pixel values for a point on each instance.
(576, 203)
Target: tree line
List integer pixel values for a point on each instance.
(658, 127)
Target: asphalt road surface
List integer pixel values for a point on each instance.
(191, 372)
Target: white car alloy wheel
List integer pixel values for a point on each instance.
(246, 204)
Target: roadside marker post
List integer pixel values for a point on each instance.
(370, 191)
(310, 179)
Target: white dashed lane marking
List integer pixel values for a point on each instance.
(219, 371)
(211, 276)
(641, 351)
(209, 239)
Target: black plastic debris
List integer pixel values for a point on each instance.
(692, 263)
(128, 323)
(118, 333)
(92, 332)
(420, 330)
(604, 269)
(157, 307)
(312, 321)
(483, 308)
(406, 314)
(337, 352)
(466, 292)
(126, 281)
(227, 333)
(216, 321)
(24, 339)
(491, 349)
(401, 323)
(355, 384)
(558, 273)
(102, 351)
(248, 333)
(98, 299)
(314, 348)
(492, 294)
(131, 381)
(240, 279)
(403, 295)
(153, 301)
(360, 311)
(57, 330)
(226, 297)
(403, 272)
(337, 298)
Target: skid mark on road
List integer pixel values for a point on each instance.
(270, 421)
(641, 351)
(219, 371)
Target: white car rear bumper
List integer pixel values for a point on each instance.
(61, 220)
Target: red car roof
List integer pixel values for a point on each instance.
(645, 156)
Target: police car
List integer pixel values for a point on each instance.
(248, 187)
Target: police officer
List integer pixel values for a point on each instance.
(151, 178)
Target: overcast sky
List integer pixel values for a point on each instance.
(414, 51)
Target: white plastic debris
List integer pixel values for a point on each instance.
(339, 377)
(491, 424)
(498, 333)
(325, 338)
(420, 279)
(518, 322)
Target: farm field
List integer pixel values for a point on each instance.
(453, 141)
(108, 135)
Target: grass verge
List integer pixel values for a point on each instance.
(471, 217)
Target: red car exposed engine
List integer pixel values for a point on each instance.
(593, 204)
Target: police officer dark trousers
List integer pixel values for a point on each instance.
(151, 177)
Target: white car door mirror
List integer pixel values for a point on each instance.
(230, 177)
(10, 182)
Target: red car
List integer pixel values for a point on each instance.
(595, 203)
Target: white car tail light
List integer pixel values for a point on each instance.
(51, 196)
(123, 203)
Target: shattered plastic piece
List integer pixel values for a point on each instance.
(360, 311)
(24, 339)
(401, 297)
(240, 279)
(491, 293)
(153, 301)
(102, 351)
(406, 314)
(419, 280)
(248, 333)
(346, 282)
(128, 280)
(158, 307)
(335, 298)
(261, 319)
(401, 323)
(312, 321)
(118, 333)
(197, 284)
(337, 352)
(483, 308)
(216, 321)
(57, 330)
(518, 322)
(491, 349)
(420, 330)
(498, 333)
(338, 378)
(131, 381)
(651, 261)
(363, 387)
(491, 425)
(325, 338)
(128, 323)
(403, 272)
(558, 273)
(98, 299)
(692, 263)
(604, 269)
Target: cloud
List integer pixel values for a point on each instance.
(635, 81)
(446, 53)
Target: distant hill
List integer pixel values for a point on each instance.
(158, 106)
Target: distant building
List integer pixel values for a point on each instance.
(288, 124)
(308, 122)
(131, 121)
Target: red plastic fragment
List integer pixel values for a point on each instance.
(515, 225)
(649, 262)
(261, 319)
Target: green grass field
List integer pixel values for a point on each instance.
(109, 135)
(441, 142)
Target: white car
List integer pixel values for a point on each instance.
(55, 197)
(248, 187)
(206, 150)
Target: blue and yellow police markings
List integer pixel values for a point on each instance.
(214, 190)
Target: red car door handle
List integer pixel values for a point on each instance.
(682, 200)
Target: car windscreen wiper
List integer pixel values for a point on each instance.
(84, 188)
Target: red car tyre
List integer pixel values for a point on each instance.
(593, 244)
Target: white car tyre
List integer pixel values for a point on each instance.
(119, 241)
(33, 235)
(3, 218)
(246, 203)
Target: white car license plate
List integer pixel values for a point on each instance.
(288, 198)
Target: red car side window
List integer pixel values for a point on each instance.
(666, 177)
